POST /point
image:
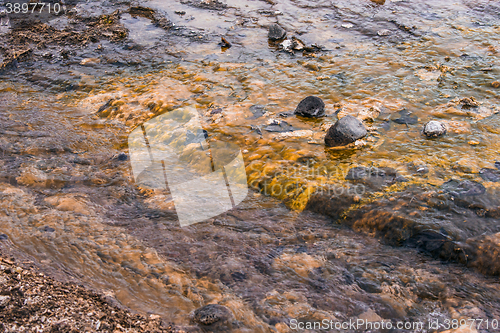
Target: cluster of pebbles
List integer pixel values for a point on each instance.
(349, 129)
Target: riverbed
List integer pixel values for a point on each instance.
(417, 243)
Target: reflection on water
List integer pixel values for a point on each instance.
(69, 199)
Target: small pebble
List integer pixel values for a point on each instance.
(495, 84)
(276, 32)
(211, 313)
(4, 300)
(434, 129)
(345, 131)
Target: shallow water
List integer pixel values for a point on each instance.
(70, 202)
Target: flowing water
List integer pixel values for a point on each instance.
(69, 200)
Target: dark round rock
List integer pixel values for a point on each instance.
(434, 129)
(211, 314)
(3, 237)
(346, 130)
(122, 157)
(311, 107)
(497, 165)
(276, 32)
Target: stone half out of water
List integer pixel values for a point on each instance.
(434, 129)
(311, 107)
(345, 131)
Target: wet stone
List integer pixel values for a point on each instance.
(3, 237)
(257, 110)
(434, 129)
(375, 178)
(469, 102)
(48, 229)
(280, 126)
(276, 32)
(212, 314)
(311, 107)
(121, 157)
(406, 118)
(368, 285)
(418, 168)
(491, 175)
(465, 188)
(345, 131)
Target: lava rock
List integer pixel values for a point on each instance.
(311, 107)
(434, 129)
(211, 314)
(276, 32)
(346, 130)
(491, 175)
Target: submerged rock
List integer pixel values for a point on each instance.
(406, 118)
(279, 126)
(374, 178)
(346, 130)
(276, 32)
(434, 129)
(469, 102)
(491, 175)
(464, 188)
(311, 107)
(212, 315)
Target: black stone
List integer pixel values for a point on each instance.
(347, 130)
(3, 237)
(491, 175)
(497, 165)
(311, 107)
(211, 314)
(122, 157)
(276, 32)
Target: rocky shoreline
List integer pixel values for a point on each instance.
(31, 301)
